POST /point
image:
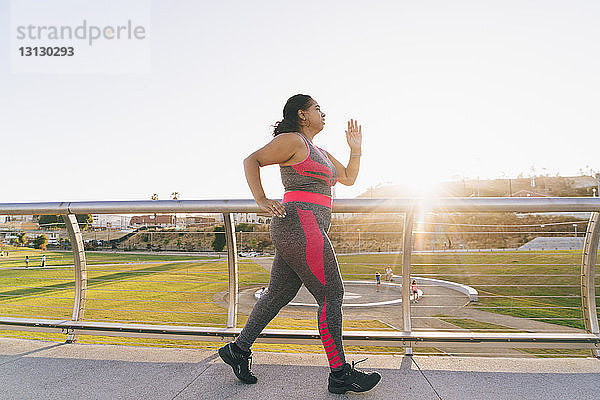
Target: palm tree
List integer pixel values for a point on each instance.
(154, 197)
(175, 196)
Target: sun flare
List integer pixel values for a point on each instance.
(421, 183)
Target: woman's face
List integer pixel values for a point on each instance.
(314, 117)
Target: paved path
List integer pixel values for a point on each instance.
(44, 370)
(264, 262)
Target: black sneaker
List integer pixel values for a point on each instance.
(353, 379)
(240, 363)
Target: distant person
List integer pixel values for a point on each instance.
(26, 261)
(388, 273)
(378, 279)
(1, 254)
(43, 261)
(299, 226)
(415, 291)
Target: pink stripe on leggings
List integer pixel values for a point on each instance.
(314, 243)
(328, 343)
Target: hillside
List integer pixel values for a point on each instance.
(543, 186)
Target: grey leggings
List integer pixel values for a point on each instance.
(303, 255)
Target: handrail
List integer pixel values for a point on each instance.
(454, 204)
(409, 207)
(306, 336)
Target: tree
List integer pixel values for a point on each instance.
(219, 242)
(243, 227)
(55, 221)
(261, 245)
(179, 243)
(49, 221)
(40, 242)
(175, 196)
(154, 197)
(21, 238)
(64, 242)
(84, 219)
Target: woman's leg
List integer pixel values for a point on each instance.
(283, 286)
(330, 314)
(309, 252)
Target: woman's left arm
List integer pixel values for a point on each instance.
(347, 175)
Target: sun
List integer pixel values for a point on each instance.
(421, 183)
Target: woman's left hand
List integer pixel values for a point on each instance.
(354, 135)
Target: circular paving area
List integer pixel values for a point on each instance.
(356, 294)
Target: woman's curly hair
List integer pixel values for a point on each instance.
(291, 121)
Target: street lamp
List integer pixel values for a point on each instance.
(358, 229)
(575, 226)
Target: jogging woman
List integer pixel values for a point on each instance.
(299, 225)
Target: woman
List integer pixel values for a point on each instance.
(299, 225)
(415, 291)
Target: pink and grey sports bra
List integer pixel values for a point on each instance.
(315, 174)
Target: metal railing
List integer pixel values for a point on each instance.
(406, 337)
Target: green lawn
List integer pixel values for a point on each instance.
(476, 326)
(16, 257)
(499, 278)
(165, 293)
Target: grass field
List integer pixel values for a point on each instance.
(523, 284)
(16, 257)
(183, 289)
(476, 326)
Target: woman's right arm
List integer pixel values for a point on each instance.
(281, 149)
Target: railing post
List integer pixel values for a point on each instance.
(232, 267)
(407, 243)
(80, 270)
(588, 277)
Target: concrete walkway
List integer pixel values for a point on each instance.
(43, 370)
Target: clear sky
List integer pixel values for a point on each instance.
(442, 89)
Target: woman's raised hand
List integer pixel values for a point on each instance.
(354, 135)
(273, 207)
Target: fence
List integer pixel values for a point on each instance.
(413, 330)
